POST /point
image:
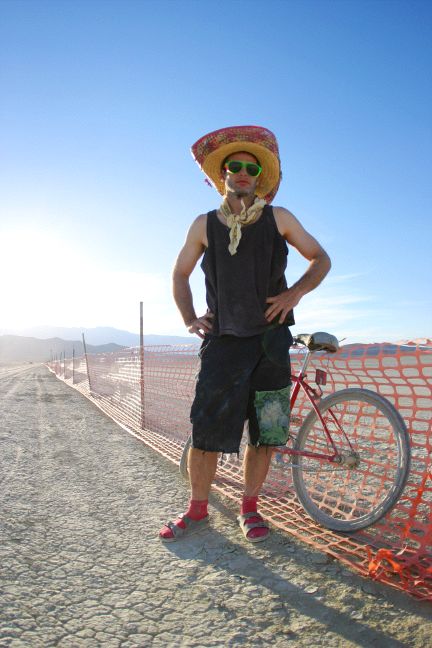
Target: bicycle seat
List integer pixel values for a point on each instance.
(318, 341)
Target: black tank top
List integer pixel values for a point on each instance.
(237, 286)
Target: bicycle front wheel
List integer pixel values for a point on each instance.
(373, 449)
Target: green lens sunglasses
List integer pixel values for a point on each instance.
(235, 166)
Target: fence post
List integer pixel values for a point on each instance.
(87, 364)
(142, 368)
(73, 365)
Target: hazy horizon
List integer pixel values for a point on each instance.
(103, 335)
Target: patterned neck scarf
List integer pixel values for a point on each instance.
(235, 221)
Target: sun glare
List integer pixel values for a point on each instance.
(46, 281)
(31, 277)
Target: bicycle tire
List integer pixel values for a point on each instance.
(183, 467)
(348, 499)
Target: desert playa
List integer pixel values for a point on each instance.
(82, 566)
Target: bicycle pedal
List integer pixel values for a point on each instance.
(281, 457)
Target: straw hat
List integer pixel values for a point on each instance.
(212, 149)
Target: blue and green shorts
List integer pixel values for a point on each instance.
(242, 379)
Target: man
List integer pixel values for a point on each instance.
(245, 368)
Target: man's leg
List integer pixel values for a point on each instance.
(255, 468)
(268, 415)
(202, 468)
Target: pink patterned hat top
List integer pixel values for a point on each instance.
(211, 150)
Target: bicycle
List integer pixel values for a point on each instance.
(351, 457)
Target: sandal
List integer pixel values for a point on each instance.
(246, 526)
(192, 526)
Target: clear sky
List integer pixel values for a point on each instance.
(100, 102)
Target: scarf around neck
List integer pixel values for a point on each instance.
(236, 221)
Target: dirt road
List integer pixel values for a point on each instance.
(81, 564)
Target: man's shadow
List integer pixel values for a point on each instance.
(248, 562)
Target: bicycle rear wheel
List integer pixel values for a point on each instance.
(373, 444)
(184, 459)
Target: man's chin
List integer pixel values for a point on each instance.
(241, 193)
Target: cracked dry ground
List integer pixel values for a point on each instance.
(81, 564)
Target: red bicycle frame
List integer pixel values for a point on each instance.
(299, 382)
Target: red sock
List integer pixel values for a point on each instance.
(249, 505)
(196, 511)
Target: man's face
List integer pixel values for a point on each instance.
(240, 184)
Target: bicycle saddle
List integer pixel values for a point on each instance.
(319, 341)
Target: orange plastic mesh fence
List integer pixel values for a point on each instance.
(154, 405)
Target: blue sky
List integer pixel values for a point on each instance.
(101, 101)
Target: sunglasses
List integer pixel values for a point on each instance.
(235, 166)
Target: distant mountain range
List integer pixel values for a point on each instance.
(64, 341)
(40, 344)
(98, 335)
(14, 348)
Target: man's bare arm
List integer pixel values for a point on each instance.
(291, 229)
(196, 242)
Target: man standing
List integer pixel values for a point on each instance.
(245, 367)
